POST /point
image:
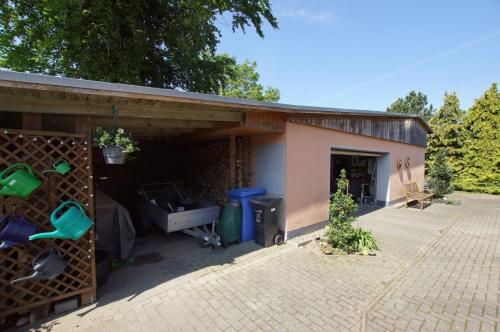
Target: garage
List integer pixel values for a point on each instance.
(194, 146)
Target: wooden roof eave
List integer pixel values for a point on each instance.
(190, 100)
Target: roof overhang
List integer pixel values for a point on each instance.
(147, 102)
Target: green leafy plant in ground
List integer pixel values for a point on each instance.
(366, 242)
(340, 232)
(440, 175)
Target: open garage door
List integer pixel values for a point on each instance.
(356, 153)
(367, 172)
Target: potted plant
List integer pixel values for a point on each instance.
(115, 144)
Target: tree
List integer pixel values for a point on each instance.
(159, 43)
(243, 82)
(440, 175)
(481, 148)
(413, 103)
(446, 125)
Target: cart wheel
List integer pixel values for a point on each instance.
(203, 243)
(278, 239)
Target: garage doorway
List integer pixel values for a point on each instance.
(367, 173)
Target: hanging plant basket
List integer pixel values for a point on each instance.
(114, 155)
(115, 144)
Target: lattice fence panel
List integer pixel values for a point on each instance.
(40, 150)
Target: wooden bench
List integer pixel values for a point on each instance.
(413, 194)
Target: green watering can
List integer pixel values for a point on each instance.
(70, 224)
(18, 180)
(60, 166)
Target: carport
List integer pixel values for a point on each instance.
(203, 146)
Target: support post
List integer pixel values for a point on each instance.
(83, 126)
(232, 160)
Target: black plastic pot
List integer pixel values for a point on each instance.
(102, 262)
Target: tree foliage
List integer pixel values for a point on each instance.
(481, 147)
(160, 43)
(446, 125)
(440, 175)
(243, 82)
(413, 103)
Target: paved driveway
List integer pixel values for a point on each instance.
(438, 270)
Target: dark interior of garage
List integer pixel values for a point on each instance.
(360, 172)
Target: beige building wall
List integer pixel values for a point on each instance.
(269, 167)
(308, 169)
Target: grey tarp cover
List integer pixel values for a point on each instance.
(114, 227)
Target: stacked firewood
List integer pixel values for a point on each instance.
(242, 162)
(207, 168)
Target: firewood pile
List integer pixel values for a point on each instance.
(207, 168)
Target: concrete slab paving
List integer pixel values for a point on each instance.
(438, 269)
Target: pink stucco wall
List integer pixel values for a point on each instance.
(308, 169)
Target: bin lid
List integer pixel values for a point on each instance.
(246, 192)
(265, 200)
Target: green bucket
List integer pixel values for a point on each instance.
(229, 226)
(18, 180)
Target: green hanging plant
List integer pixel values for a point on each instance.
(106, 138)
(115, 144)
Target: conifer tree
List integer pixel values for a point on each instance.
(440, 175)
(481, 147)
(446, 125)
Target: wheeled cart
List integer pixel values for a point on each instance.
(172, 212)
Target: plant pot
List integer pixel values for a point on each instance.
(102, 265)
(114, 155)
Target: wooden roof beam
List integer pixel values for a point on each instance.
(77, 107)
(101, 121)
(141, 132)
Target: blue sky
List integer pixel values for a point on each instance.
(365, 54)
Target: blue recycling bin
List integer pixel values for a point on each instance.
(243, 195)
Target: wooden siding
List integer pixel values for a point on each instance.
(407, 131)
(265, 120)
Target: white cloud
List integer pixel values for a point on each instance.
(306, 15)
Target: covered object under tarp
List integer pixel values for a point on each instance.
(114, 227)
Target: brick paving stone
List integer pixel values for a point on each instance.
(438, 270)
(464, 295)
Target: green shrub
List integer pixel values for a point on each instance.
(340, 232)
(440, 175)
(365, 241)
